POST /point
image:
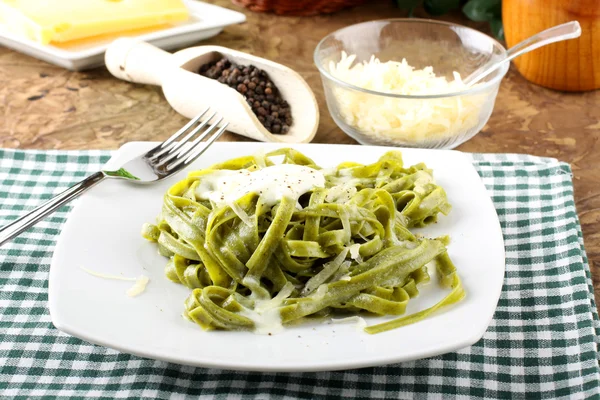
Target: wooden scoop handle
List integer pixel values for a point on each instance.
(139, 62)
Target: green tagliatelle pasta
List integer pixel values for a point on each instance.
(257, 264)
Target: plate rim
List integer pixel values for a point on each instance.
(330, 365)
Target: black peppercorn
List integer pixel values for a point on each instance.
(260, 92)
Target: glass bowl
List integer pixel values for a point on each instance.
(434, 120)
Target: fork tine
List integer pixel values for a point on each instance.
(159, 149)
(192, 133)
(185, 128)
(170, 149)
(178, 148)
(202, 136)
(198, 148)
(184, 152)
(195, 154)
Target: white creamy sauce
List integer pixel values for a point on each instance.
(270, 183)
(266, 314)
(267, 322)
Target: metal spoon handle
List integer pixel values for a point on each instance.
(570, 30)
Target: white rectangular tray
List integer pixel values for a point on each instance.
(205, 21)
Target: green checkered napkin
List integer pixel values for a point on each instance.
(542, 343)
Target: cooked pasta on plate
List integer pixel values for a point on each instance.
(268, 240)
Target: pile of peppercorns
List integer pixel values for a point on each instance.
(260, 92)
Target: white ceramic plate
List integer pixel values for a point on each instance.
(103, 234)
(205, 21)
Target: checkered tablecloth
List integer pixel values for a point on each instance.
(542, 342)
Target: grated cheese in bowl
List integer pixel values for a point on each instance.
(422, 122)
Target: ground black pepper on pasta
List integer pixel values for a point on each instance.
(260, 92)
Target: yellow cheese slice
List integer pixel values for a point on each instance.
(61, 21)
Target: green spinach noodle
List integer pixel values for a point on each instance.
(288, 240)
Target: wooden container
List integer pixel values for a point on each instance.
(189, 93)
(297, 7)
(572, 65)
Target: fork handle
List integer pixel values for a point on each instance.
(16, 227)
(140, 62)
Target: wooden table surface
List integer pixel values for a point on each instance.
(47, 107)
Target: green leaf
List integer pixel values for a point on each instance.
(497, 28)
(483, 10)
(122, 172)
(440, 7)
(407, 4)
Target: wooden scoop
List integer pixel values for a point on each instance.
(190, 93)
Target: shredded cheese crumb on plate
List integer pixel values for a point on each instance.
(138, 287)
(360, 322)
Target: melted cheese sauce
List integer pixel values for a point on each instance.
(270, 183)
(267, 321)
(266, 313)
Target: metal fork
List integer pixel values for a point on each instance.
(164, 160)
